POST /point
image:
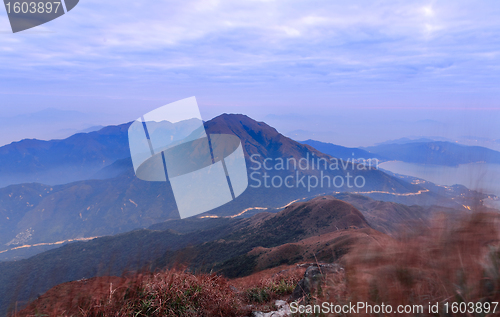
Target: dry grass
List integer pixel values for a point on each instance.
(455, 260)
(168, 293)
(268, 289)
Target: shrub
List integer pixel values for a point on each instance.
(276, 287)
(172, 293)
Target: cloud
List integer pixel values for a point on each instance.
(354, 46)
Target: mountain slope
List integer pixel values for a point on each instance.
(389, 217)
(62, 161)
(296, 222)
(106, 256)
(265, 148)
(329, 247)
(34, 214)
(23, 280)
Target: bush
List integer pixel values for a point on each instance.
(171, 293)
(273, 288)
(166, 293)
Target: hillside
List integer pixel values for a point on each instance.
(106, 256)
(390, 217)
(330, 247)
(231, 255)
(33, 214)
(200, 243)
(168, 293)
(376, 270)
(62, 161)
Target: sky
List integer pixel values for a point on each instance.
(349, 72)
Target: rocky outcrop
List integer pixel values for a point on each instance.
(283, 310)
(313, 278)
(315, 275)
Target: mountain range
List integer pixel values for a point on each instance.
(104, 153)
(420, 151)
(342, 152)
(323, 228)
(54, 162)
(35, 217)
(413, 140)
(436, 152)
(50, 124)
(265, 226)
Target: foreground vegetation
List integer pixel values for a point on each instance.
(169, 293)
(454, 260)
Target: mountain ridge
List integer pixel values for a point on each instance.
(92, 208)
(436, 153)
(62, 161)
(341, 152)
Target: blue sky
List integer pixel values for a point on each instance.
(299, 65)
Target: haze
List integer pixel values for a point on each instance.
(351, 74)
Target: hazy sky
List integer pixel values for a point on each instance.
(287, 62)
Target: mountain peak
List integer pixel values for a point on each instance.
(258, 137)
(232, 123)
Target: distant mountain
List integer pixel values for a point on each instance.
(91, 129)
(265, 149)
(409, 140)
(341, 152)
(317, 135)
(113, 170)
(33, 214)
(97, 153)
(48, 124)
(62, 161)
(436, 152)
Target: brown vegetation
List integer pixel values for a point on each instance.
(456, 259)
(167, 293)
(329, 248)
(452, 261)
